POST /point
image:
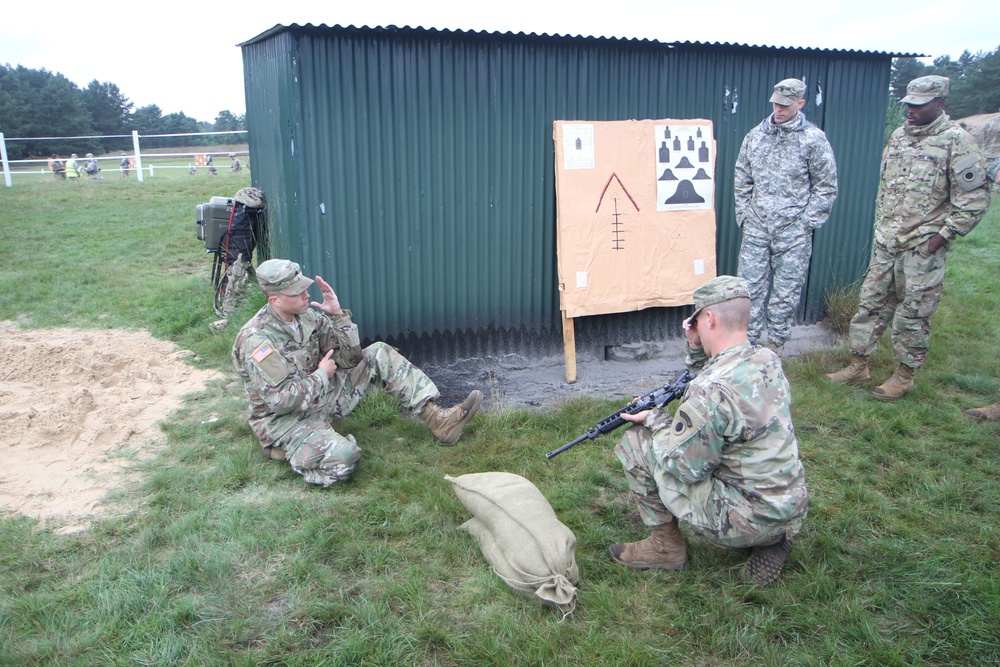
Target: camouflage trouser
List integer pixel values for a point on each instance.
(784, 261)
(238, 284)
(319, 453)
(723, 516)
(904, 288)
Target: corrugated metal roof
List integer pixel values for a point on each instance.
(633, 40)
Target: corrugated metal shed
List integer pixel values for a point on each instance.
(413, 168)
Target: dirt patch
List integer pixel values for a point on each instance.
(985, 129)
(513, 381)
(74, 407)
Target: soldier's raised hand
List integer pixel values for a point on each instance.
(330, 304)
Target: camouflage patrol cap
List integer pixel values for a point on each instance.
(924, 89)
(718, 290)
(251, 197)
(788, 92)
(282, 276)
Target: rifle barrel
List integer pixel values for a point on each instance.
(557, 452)
(657, 397)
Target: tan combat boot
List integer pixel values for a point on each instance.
(854, 374)
(447, 424)
(897, 386)
(663, 550)
(990, 413)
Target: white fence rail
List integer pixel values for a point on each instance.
(136, 153)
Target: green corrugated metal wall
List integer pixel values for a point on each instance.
(414, 168)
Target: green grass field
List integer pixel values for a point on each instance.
(219, 557)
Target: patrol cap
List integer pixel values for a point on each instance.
(251, 197)
(788, 92)
(924, 89)
(282, 276)
(718, 290)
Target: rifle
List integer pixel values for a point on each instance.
(656, 398)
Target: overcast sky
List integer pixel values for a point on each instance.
(182, 55)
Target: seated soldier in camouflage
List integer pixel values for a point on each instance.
(304, 369)
(728, 463)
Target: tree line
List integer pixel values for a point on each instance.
(975, 80)
(40, 103)
(974, 87)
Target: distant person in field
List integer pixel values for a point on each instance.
(73, 169)
(92, 168)
(933, 190)
(237, 165)
(211, 166)
(57, 167)
(990, 413)
(304, 368)
(193, 169)
(126, 165)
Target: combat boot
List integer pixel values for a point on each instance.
(765, 563)
(854, 374)
(447, 424)
(990, 413)
(775, 347)
(663, 550)
(897, 386)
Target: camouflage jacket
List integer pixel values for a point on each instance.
(734, 424)
(280, 366)
(785, 178)
(933, 182)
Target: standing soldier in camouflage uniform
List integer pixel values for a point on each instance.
(304, 369)
(786, 183)
(57, 167)
(934, 189)
(728, 462)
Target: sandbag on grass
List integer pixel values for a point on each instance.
(519, 534)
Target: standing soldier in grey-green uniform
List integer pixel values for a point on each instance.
(934, 189)
(304, 369)
(727, 464)
(785, 186)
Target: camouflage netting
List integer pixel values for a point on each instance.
(985, 129)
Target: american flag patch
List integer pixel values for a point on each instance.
(262, 352)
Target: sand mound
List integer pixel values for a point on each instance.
(985, 129)
(73, 405)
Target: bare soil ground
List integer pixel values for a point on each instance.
(75, 407)
(513, 381)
